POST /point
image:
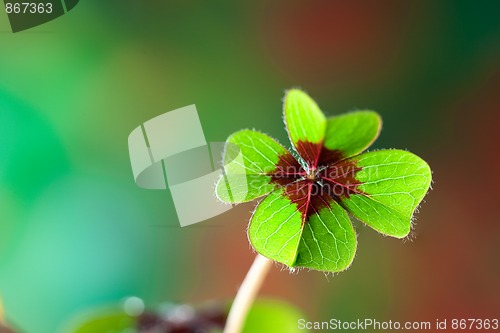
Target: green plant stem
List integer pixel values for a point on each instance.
(246, 294)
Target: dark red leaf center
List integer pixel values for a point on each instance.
(328, 176)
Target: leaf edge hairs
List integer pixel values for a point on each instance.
(308, 192)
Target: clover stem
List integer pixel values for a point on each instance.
(246, 294)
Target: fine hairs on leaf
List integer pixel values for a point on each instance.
(309, 194)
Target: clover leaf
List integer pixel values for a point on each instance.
(303, 219)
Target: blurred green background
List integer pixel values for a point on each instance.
(77, 233)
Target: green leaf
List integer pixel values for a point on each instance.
(305, 123)
(273, 316)
(301, 226)
(393, 183)
(328, 242)
(351, 133)
(303, 222)
(276, 227)
(108, 321)
(250, 158)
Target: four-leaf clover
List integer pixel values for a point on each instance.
(303, 219)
